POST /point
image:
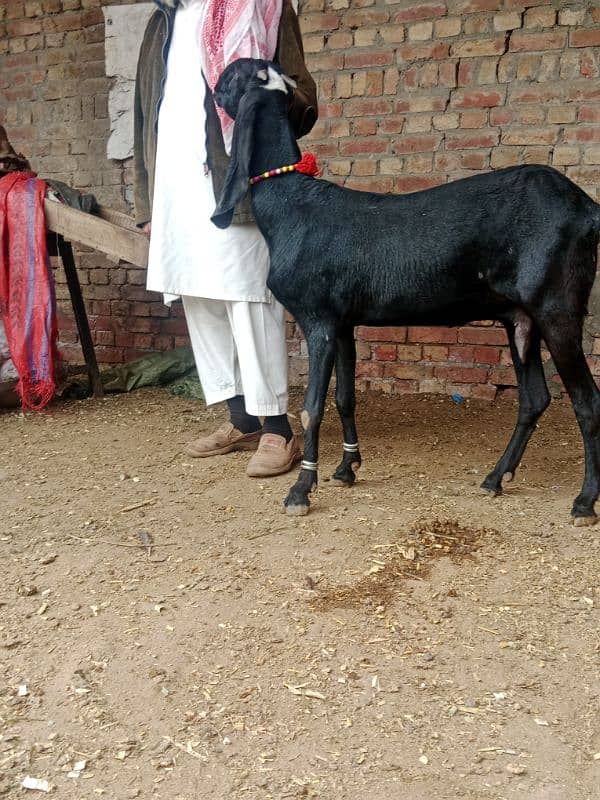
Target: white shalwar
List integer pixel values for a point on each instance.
(236, 326)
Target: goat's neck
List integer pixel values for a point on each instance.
(274, 144)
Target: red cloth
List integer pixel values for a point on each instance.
(27, 300)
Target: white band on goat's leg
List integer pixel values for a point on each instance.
(350, 448)
(310, 465)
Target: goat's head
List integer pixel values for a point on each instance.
(243, 88)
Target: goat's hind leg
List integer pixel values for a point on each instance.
(345, 399)
(321, 354)
(534, 398)
(563, 335)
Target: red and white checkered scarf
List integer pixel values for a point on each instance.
(232, 29)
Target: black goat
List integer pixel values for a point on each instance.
(518, 245)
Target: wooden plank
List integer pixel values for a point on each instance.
(114, 240)
(117, 218)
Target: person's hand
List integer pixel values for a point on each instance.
(147, 228)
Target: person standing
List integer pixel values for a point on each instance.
(181, 146)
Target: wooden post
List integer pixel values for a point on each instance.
(83, 326)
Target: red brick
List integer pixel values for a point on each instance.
(326, 61)
(143, 340)
(420, 11)
(483, 392)
(536, 94)
(473, 160)
(408, 371)
(472, 48)
(372, 58)
(585, 38)
(381, 334)
(330, 110)
(473, 6)
(176, 327)
(124, 339)
(416, 144)
(380, 185)
(486, 355)
(589, 114)
(23, 27)
(409, 352)
(465, 141)
(466, 73)
(363, 107)
(415, 183)
(503, 377)
(448, 74)
(362, 146)
(435, 353)
(163, 342)
(319, 22)
(364, 167)
(462, 374)
(585, 93)
(109, 355)
(103, 337)
(360, 18)
(364, 127)
(391, 125)
(432, 335)
(422, 52)
(385, 352)
(340, 40)
(482, 336)
(530, 42)
(582, 134)
(461, 353)
(325, 149)
(404, 387)
(477, 99)
(421, 103)
(369, 369)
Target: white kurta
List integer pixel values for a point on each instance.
(188, 254)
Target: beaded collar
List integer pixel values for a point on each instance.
(307, 166)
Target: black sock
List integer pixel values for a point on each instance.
(239, 417)
(279, 425)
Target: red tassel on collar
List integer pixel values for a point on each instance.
(306, 166)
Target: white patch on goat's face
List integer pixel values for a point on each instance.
(275, 82)
(262, 74)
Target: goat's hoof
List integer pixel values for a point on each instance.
(343, 477)
(507, 477)
(581, 522)
(489, 492)
(341, 481)
(293, 510)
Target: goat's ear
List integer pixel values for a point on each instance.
(238, 174)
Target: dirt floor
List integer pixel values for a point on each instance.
(409, 639)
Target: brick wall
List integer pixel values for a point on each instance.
(53, 102)
(412, 95)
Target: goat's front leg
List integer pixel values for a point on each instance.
(321, 355)
(345, 399)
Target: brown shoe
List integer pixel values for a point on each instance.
(223, 440)
(274, 456)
